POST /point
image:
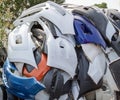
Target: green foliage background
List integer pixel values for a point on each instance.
(10, 10)
(102, 5)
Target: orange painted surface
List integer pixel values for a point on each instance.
(41, 71)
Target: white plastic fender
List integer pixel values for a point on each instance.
(112, 55)
(35, 18)
(91, 50)
(97, 60)
(62, 55)
(110, 30)
(75, 89)
(52, 12)
(21, 46)
(58, 33)
(97, 68)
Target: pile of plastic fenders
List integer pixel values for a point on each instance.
(63, 52)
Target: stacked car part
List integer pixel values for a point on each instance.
(56, 53)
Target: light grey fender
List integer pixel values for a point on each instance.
(62, 55)
(110, 31)
(75, 89)
(97, 68)
(97, 60)
(21, 46)
(52, 12)
(56, 32)
(91, 50)
(58, 48)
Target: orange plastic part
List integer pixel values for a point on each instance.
(41, 71)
